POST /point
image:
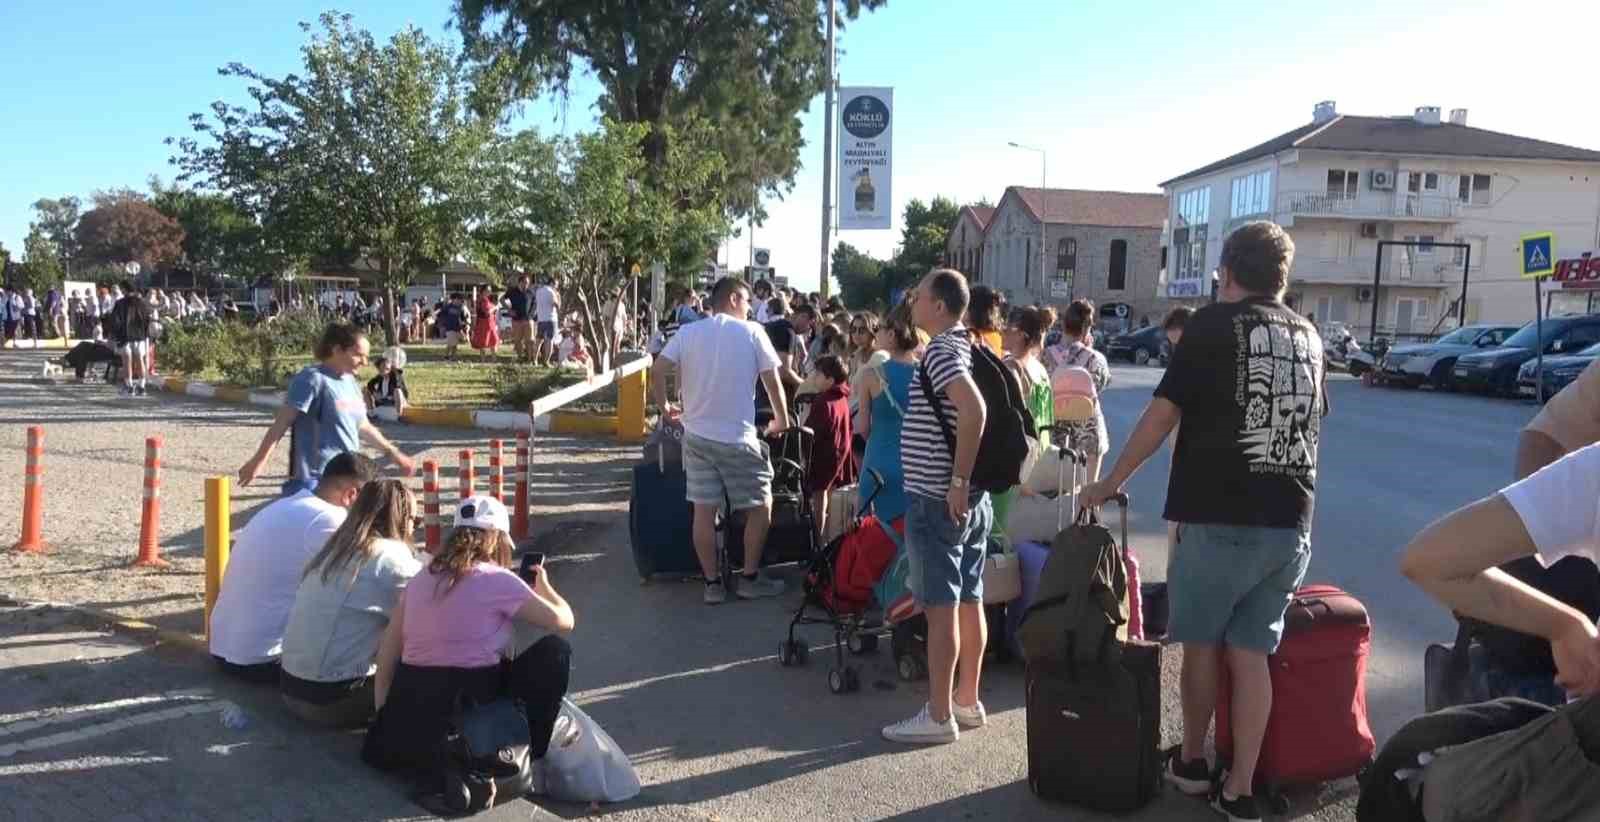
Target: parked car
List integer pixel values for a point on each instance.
(1138, 347)
(1495, 369)
(1558, 372)
(1434, 362)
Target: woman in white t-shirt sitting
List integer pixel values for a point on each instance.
(1553, 513)
(446, 643)
(342, 607)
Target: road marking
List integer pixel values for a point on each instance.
(113, 726)
(11, 724)
(88, 763)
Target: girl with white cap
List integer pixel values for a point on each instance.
(446, 639)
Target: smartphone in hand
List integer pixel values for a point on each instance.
(531, 562)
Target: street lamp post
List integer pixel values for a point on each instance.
(1043, 186)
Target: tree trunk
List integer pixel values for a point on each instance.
(390, 316)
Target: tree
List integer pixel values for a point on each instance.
(219, 238)
(372, 153)
(927, 227)
(745, 67)
(576, 207)
(41, 268)
(58, 220)
(128, 230)
(859, 275)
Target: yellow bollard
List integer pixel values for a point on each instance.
(218, 540)
(631, 392)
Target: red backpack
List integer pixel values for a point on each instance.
(864, 555)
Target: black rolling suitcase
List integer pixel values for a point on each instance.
(1094, 731)
(660, 518)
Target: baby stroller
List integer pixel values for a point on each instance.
(792, 535)
(839, 584)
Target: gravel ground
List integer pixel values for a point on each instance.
(94, 467)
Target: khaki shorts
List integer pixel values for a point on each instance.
(452, 338)
(521, 331)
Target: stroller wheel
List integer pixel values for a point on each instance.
(836, 682)
(862, 643)
(785, 654)
(910, 668)
(852, 679)
(802, 652)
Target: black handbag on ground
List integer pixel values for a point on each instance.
(486, 757)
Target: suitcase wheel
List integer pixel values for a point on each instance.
(862, 643)
(910, 668)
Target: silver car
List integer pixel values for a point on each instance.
(1432, 362)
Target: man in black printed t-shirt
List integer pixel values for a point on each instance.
(1247, 382)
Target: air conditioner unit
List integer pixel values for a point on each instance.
(1364, 295)
(1369, 231)
(1382, 181)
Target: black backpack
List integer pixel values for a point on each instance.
(1009, 436)
(485, 757)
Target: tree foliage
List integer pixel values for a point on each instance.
(747, 68)
(219, 238)
(859, 275)
(58, 221)
(41, 267)
(864, 280)
(576, 208)
(128, 230)
(370, 153)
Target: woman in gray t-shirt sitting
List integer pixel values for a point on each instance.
(342, 608)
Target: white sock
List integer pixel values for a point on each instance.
(141, 383)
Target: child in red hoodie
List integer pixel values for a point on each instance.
(832, 461)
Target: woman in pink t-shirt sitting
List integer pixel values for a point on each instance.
(446, 639)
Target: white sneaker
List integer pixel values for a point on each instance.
(973, 717)
(922, 730)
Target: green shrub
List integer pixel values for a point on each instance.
(517, 385)
(193, 349)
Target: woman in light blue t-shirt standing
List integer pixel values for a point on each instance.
(325, 412)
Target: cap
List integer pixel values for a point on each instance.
(487, 513)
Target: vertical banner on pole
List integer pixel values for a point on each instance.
(865, 159)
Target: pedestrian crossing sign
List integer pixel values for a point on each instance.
(1538, 254)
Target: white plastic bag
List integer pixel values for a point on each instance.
(584, 764)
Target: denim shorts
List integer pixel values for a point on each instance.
(740, 470)
(946, 558)
(1231, 584)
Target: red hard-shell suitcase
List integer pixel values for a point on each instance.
(1317, 731)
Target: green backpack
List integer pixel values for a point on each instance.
(1080, 610)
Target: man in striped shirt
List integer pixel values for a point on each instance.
(947, 521)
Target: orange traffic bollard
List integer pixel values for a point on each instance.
(497, 472)
(150, 519)
(468, 479)
(430, 506)
(519, 516)
(33, 494)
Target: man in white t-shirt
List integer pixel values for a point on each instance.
(1553, 513)
(264, 569)
(546, 308)
(720, 358)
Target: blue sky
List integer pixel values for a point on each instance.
(1122, 95)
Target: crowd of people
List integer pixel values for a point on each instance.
(83, 314)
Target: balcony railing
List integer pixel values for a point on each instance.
(1377, 205)
(1400, 268)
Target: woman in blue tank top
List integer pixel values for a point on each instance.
(886, 394)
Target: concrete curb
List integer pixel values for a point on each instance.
(130, 627)
(556, 422)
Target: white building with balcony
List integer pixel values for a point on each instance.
(1342, 183)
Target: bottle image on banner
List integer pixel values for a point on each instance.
(866, 195)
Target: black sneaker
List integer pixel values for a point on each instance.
(1192, 777)
(1237, 809)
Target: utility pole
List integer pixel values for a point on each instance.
(1044, 183)
(827, 158)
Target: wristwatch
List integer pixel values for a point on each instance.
(958, 482)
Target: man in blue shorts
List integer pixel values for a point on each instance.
(947, 520)
(1247, 382)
